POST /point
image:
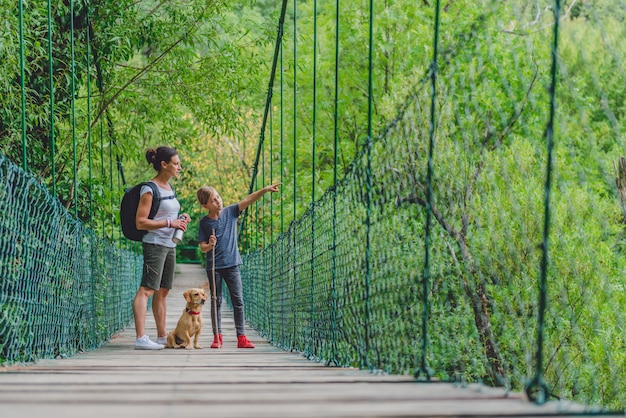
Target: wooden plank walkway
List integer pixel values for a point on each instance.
(117, 381)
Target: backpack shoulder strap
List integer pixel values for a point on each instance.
(172, 196)
(156, 198)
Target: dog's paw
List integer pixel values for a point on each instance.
(197, 346)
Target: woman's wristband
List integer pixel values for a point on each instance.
(169, 223)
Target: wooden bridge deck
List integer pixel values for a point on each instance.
(117, 381)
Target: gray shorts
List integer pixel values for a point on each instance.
(159, 264)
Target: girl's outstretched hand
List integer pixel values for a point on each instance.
(272, 188)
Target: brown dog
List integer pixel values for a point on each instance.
(190, 322)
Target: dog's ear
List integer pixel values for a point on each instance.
(187, 295)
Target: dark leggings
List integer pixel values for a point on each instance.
(232, 277)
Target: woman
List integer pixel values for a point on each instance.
(159, 251)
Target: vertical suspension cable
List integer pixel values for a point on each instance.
(23, 85)
(282, 138)
(270, 309)
(282, 201)
(109, 123)
(51, 86)
(423, 370)
(368, 179)
(102, 172)
(294, 127)
(335, 162)
(93, 259)
(73, 106)
(312, 309)
(262, 209)
(89, 145)
(121, 181)
(26, 248)
(256, 205)
(262, 220)
(271, 226)
(537, 389)
(260, 228)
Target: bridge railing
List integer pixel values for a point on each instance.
(63, 289)
(475, 235)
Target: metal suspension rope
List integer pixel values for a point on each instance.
(336, 161)
(73, 106)
(271, 174)
(51, 86)
(282, 168)
(89, 150)
(271, 301)
(261, 185)
(537, 389)
(111, 201)
(368, 179)
(295, 102)
(423, 370)
(102, 172)
(312, 309)
(282, 137)
(260, 212)
(22, 85)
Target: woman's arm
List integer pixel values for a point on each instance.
(143, 210)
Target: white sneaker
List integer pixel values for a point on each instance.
(145, 343)
(161, 340)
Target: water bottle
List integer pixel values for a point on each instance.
(178, 233)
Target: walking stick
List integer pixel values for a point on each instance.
(214, 295)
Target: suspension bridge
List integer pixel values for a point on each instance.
(452, 207)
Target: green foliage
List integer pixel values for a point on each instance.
(141, 75)
(194, 75)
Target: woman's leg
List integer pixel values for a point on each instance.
(140, 304)
(159, 304)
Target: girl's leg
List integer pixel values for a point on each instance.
(232, 277)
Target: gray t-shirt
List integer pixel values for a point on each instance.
(226, 250)
(168, 209)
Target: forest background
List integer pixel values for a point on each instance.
(194, 75)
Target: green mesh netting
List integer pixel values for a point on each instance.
(62, 288)
(373, 273)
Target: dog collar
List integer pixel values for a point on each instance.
(190, 312)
